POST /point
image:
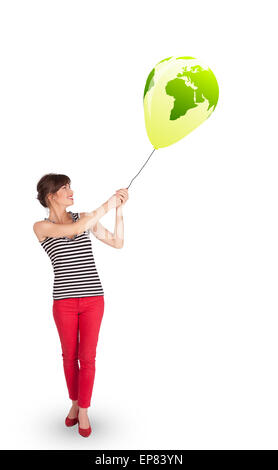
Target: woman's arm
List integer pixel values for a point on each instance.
(45, 228)
(115, 239)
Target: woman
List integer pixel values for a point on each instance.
(78, 297)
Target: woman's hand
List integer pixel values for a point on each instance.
(122, 194)
(118, 199)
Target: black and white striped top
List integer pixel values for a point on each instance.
(75, 273)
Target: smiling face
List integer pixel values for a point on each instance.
(63, 197)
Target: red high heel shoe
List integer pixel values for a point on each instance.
(84, 432)
(71, 421)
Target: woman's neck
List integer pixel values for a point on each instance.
(59, 217)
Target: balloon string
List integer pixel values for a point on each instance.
(141, 168)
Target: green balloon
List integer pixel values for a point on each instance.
(180, 93)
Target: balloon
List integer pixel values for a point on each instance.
(180, 93)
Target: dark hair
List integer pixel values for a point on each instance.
(50, 183)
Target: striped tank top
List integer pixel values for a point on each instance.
(75, 273)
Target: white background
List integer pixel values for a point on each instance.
(188, 354)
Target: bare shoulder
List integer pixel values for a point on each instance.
(37, 227)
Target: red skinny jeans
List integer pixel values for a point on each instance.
(78, 321)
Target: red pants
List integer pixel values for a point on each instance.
(78, 321)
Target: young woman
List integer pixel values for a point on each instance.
(78, 297)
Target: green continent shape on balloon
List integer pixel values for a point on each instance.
(186, 97)
(163, 60)
(206, 83)
(149, 82)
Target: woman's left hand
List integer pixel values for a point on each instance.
(123, 194)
